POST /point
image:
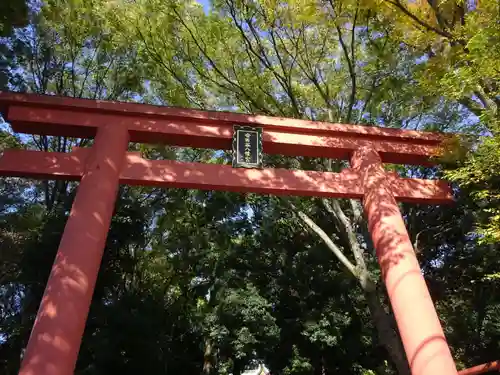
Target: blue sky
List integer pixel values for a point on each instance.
(206, 4)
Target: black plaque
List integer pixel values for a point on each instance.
(247, 147)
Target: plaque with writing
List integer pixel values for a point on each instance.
(247, 147)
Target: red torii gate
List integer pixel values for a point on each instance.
(56, 336)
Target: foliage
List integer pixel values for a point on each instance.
(479, 175)
(13, 14)
(459, 47)
(214, 282)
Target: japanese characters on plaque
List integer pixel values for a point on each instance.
(247, 147)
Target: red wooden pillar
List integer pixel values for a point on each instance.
(56, 336)
(423, 338)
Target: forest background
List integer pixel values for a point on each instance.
(203, 282)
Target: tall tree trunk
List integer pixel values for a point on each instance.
(387, 335)
(207, 358)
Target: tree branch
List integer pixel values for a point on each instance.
(422, 23)
(350, 62)
(326, 239)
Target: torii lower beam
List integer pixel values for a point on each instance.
(56, 336)
(173, 174)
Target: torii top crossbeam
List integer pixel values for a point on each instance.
(56, 335)
(187, 127)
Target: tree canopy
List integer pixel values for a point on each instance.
(215, 282)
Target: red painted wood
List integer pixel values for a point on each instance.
(418, 323)
(218, 136)
(57, 332)
(482, 369)
(209, 117)
(43, 165)
(139, 171)
(169, 173)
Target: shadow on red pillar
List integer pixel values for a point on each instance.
(423, 338)
(56, 336)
